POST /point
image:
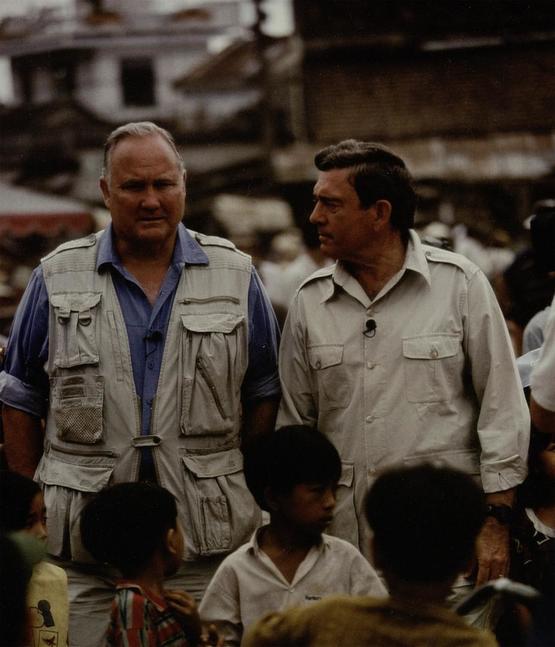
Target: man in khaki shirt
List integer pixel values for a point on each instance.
(399, 352)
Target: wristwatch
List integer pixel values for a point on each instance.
(503, 513)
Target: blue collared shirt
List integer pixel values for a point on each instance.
(24, 382)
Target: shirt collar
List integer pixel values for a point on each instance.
(254, 547)
(415, 261)
(156, 600)
(187, 250)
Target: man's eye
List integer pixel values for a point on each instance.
(132, 187)
(164, 184)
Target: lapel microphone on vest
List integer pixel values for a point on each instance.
(370, 328)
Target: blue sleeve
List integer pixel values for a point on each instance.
(262, 377)
(23, 382)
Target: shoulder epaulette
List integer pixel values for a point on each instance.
(322, 273)
(437, 255)
(88, 241)
(217, 241)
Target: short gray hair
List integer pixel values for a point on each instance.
(136, 129)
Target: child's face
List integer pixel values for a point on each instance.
(36, 519)
(310, 506)
(546, 459)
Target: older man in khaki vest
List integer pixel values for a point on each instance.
(150, 352)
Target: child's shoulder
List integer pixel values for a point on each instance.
(339, 545)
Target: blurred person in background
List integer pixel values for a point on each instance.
(150, 352)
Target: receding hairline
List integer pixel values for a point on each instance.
(139, 129)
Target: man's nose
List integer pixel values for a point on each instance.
(316, 215)
(150, 198)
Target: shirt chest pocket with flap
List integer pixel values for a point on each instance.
(433, 366)
(331, 376)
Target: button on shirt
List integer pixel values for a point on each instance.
(247, 585)
(24, 383)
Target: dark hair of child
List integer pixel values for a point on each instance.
(124, 524)
(425, 521)
(16, 495)
(287, 457)
(538, 489)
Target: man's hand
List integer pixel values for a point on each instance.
(492, 551)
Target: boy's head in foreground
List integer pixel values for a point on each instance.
(293, 473)
(425, 521)
(128, 525)
(22, 505)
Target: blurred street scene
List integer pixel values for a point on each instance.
(464, 92)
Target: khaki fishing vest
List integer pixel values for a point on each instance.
(93, 430)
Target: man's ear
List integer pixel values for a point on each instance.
(105, 191)
(382, 213)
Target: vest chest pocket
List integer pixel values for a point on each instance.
(213, 362)
(75, 329)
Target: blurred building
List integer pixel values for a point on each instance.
(463, 91)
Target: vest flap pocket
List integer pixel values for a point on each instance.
(213, 465)
(324, 356)
(221, 322)
(87, 474)
(431, 346)
(75, 302)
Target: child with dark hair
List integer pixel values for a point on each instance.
(425, 522)
(22, 509)
(293, 474)
(134, 527)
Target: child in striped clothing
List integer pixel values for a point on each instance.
(134, 527)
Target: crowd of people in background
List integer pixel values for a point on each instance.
(175, 474)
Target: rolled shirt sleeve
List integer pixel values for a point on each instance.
(503, 423)
(23, 382)
(262, 378)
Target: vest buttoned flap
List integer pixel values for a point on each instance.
(77, 390)
(332, 378)
(75, 329)
(219, 513)
(213, 362)
(433, 366)
(69, 479)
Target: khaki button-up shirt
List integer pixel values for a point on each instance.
(435, 381)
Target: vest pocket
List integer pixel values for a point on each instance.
(212, 361)
(67, 486)
(75, 331)
(76, 404)
(221, 511)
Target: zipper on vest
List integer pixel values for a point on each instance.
(201, 365)
(83, 452)
(188, 300)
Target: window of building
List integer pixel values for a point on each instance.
(137, 79)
